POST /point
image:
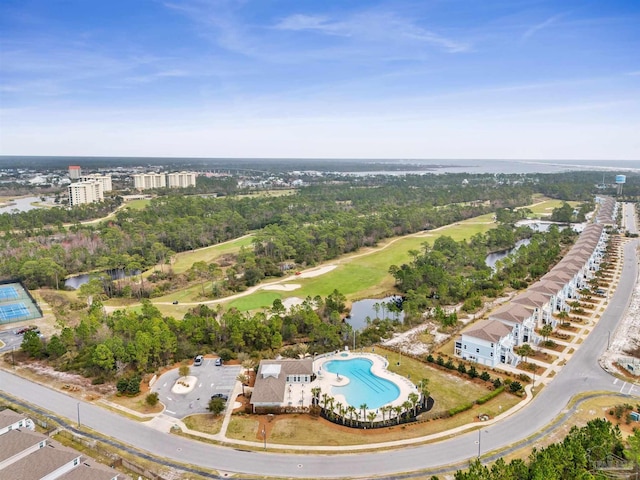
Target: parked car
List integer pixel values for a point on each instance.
(220, 395)
(198, 361)
(218, 362)
(23, 330)
(175, 302)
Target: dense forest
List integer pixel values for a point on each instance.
(314, 225)
(451, 272)
(592, 452)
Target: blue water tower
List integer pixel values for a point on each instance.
(620, 181)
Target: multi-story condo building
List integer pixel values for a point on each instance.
(146, 181)
(85, 192)
(74, 172)
(181, 180)
(104, 179)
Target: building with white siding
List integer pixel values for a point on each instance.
(146, 181)
(181, 179)
(85, 192)
(104, 179)
(75, 172)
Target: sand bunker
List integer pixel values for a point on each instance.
(292, 301)
(184, 385)
(317, 272)
(285, 287)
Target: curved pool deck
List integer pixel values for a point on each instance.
(327, 380)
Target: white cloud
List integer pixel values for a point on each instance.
(540, 26)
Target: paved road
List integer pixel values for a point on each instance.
(581, 374)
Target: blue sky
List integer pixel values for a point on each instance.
(521, 79)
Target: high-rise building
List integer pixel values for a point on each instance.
(104, 179)
(145, 181)
(181, 180)
(85, 192)
(74, 172)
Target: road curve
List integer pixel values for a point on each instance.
(581, 374)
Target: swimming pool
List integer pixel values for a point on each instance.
(364, 386)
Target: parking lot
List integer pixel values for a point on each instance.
(211, 379)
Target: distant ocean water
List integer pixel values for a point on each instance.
(355, 166)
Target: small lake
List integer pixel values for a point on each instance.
(362, 309)
(77, 281)
(23, 204)
(543, 226)
(494, 257)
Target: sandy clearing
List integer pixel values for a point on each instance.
(292, 301)
(317, 272)
(285, 287)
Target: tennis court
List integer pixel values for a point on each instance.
(13, 311)
(17, 304)
(8, 292)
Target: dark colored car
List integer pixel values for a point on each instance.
(220, 395)
(175, 302)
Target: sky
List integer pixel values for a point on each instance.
(407, 79)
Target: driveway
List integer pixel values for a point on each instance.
(210, 380)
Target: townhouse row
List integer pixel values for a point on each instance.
(493, 341)
(28, 455)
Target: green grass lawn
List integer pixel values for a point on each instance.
(184, 260)
(257, 300)
(544, 209)
(138, 204)
(447, 389)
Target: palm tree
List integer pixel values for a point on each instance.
(325, 399)
(343, 413)
(406, 406)
(364, 407)
(376, 308)
(546, 331)
(315, 392)
(339, 410)
(383, 410)
(244, 380)
(330, 401)
(414, 398)
(371, 416)
(424, 390)
(351, 410)
(524, 351)
(397, 410)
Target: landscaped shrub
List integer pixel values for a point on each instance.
(152, 399)
(440, 361)
(473, 373)
(226, 354)
(450, 365)
(430, 358)
(515, 387)
(485, 376)
(128, 385)
(461, 368)
(460, 408)
(490, 395)
(497, 383)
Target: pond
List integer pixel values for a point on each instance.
(77, 281)
(23, 204)
(362, 309)
(494, 257)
